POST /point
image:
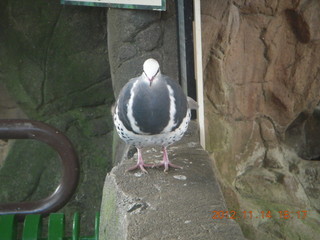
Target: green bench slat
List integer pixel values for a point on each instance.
(56, 226)
(96, 227)
(7, 227)
(75, 227)
(32, 227)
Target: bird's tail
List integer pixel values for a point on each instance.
(192, 104)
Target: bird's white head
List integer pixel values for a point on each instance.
(151, 69)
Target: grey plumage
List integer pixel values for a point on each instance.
(152, 110)
(151, 105)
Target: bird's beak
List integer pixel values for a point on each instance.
(151, 81)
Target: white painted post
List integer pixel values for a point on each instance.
(198, 69)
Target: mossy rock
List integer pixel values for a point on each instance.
(54, 63)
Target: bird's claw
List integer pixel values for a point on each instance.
(141, 166)
(166, 166)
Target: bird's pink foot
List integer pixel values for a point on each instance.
(165, 162)
(166, 165)
(140, 163)
(141, 166)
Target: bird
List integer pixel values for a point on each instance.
(152, 110)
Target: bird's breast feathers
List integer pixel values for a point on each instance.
(153, 110)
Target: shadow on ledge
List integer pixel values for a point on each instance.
(173, 205)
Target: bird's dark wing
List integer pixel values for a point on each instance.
(180, 101)
(122, 103)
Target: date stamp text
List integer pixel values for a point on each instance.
(285, 214)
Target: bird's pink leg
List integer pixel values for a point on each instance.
(166, 162)
(140, 163)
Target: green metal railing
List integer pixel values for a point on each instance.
(32, 228)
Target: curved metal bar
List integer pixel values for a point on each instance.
(28, 129)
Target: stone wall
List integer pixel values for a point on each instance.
(54, 63)
(262, 88)
(180, 204)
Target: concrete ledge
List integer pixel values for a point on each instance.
(173, 205)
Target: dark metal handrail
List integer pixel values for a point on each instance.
(28, 129)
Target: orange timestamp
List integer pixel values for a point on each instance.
(285, 214)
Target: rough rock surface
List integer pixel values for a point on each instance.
(143, 34)
(174, 205)
(54, 64)
(261, 69)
